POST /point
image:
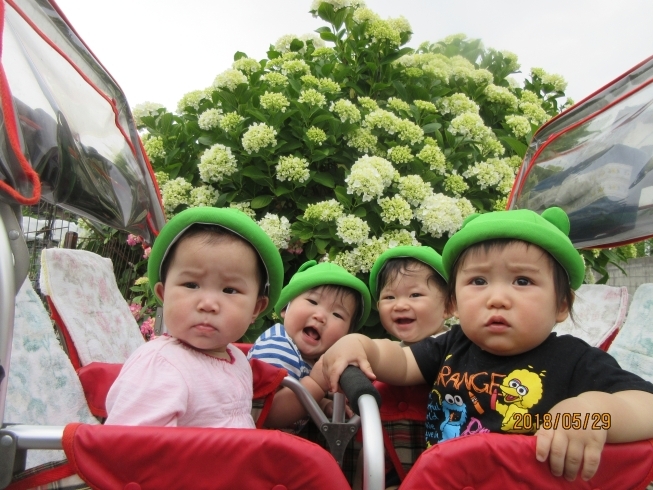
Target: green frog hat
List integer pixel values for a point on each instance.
(231, 219)
(311, 275)
(549, 231)
(423, 254)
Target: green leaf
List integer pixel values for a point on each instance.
(280, 191)
(252, 171)
(321, 245)
(396, 55)
(238, 55)
(311, 250)
(342, 196)
(322, 29)
(296, 45)
(261, 201)
(431, 128)
(205, 140)
(360, 212)
(325, 179)
(326, 12)
(321, 118)
(517, 146)
(401, 89)
(328, 36)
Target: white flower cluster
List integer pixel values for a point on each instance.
(558, 81)
(245, 207)
(329, 86)
(216, 163)
(291, 67)
(383, 120)
(277, 228)
(274, 102)
(365, 15)
(383, 31)
(455, 184)
(368, 103)
(501, 95)
(209, 119)
(439, 214)
(202, 196)
(316, 135)
(257, 136)
(466, 207)
(145, 109)
(275, 79)
(246, 65)
(229, 79)
(346, 111)
(312, 97)
(409, 131)
(370, 176)
(425, 105)
(175, 193)
(432, 154)
(230, 121)
(458, 104)
(493, 173)
(395, 209)
(329, 210)
(293, 169)
(153, 146)
(352, 229)
(398, 104)
(519, 125)
(362, 258)
(323, 52)
(337, 4)
(400, 154)
(363, 140)
(161, 178)
(470, 125)
(191, 99)
(413, 189)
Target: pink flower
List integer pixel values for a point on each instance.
(147, 250)
(147, 328)
(133, 240)
(135, 309)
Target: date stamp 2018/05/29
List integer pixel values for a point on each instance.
(567, 421)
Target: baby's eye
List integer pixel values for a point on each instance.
(388, 296)
(523, 281)
(416, 295)
(338, 315)
(191, 285)
(478, 281)
(311, 301)
(229, 291)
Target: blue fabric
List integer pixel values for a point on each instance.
(275, 347)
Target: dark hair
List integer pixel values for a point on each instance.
(405, 265)
(563, 292)
(342, 292)
(212, 234)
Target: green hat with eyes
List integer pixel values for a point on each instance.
(312, 275)
(549, 231)
(423, 254)
(231, 219)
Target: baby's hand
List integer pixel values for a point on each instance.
(346, 351)
(569, 449)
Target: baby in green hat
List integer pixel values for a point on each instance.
(321, 303)
(194, 376)
(512, 276)
(409, 286)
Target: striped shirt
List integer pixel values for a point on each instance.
(275, 347)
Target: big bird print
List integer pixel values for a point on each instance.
(521, 390)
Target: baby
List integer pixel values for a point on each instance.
(194, 376)
(321, 303)
(409, 286)
(511, 279)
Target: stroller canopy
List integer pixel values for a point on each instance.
(595, 161)
(68, 135)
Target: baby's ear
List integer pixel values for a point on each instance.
(261, 305)
(158, 290)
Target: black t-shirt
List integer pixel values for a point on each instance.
(475, 391)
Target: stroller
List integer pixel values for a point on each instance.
(87, 158)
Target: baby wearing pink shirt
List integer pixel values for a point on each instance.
(215, 271)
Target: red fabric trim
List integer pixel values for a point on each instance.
(555, 136)
(392, 453)
(267, 379)
(68, 445)
(43, 478)
(97, 378)
(12, 134)
(72, 350)
(112, 102)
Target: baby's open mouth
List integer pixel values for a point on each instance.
(312, 333)
(404, 321)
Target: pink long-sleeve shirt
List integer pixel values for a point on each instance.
(168, 383)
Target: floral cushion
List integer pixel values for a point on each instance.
(43, 387)
(633, 347)
(599, 312)
(83, 289)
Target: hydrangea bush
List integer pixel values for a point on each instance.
(344, 143)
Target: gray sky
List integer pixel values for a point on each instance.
(158, 50)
